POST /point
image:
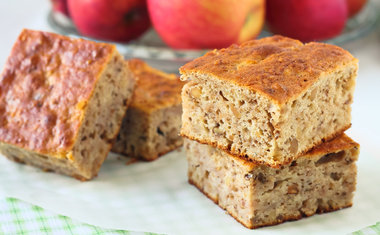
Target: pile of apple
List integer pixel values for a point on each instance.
(195, 24)
(310, 20)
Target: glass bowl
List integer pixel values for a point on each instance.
(152, 49)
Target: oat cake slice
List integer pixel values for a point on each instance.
(62, 102)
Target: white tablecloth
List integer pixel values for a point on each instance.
(198, 214)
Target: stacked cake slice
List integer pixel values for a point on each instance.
(265, 122)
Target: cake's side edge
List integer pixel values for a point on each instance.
(103, 116)
(339, 174)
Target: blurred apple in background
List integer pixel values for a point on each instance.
(307, 20)
(196, 24)
(116, 20)
(354, 6)
(60, 6)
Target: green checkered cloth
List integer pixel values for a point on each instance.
(18, 217)
(374, 229)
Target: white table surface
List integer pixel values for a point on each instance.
(18, 14)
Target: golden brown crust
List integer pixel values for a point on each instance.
(337, 134)
(333, 143)
(278, 67)
(45, 86)
(284, 218)
(341, 142)
(154, 89)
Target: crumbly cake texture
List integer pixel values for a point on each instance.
(270, 100)
(256, 195)
(153, 121)
(62, 102)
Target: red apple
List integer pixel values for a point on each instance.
(354, 6)
(116, 20)
(206, 23)
(307, 20)
(60, 6)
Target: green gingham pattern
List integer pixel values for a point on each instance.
(374, 229)
(21, 218)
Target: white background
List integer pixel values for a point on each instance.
(156, 197)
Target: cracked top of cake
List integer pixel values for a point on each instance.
(44, 89)
(154, 89)
(278, 67)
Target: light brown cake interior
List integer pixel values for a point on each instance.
(95, 118)
(152, 124)
(148, 136)
(256, 195)
(248, 124)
